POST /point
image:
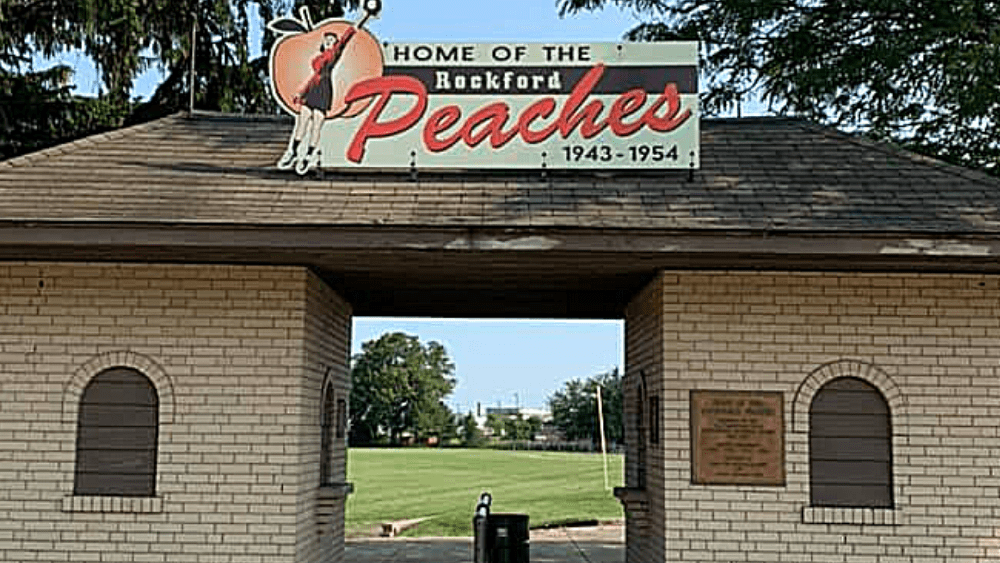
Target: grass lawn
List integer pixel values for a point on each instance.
(551, 487)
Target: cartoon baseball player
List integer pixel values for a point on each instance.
(316, 97)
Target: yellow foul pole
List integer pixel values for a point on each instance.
(604, 443)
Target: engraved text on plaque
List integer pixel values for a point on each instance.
(737, 438)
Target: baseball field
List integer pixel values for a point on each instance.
(444, 485)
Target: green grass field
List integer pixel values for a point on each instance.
(551, 487)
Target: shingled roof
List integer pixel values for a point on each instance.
(770, 193)
(759, 173)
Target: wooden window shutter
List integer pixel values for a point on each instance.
(640, 427)
(329, 418)
(341, 417)
(117, 431)
(655, 421)
(850, 446)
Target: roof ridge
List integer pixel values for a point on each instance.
(212, 114)
(745, 118)
(888, 148)
(89, 140)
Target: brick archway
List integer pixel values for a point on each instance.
(118, 359)
(866, 371)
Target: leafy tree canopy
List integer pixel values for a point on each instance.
(520, 429)
(434, 419)
(574, 408)
(924, 74)
(496, 424)
(398, 385)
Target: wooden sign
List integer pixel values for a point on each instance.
(509, 105)
(737, 438)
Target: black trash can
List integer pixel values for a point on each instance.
(507, 538)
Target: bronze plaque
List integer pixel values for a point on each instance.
(737, 438)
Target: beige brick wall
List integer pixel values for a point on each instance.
(234, 354)
(643, 377)
(327, 348)
(930, 343)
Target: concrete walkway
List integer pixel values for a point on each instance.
(564, 545)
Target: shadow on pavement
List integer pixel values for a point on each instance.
(459, 550)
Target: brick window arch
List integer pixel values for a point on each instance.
(850, 446)
(117, 433)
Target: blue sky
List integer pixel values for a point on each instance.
(439, 20)
(496, 361)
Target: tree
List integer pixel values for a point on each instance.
(574, 408)
(450, 428)
(924, 74)
(37, 107)
(433, 419)
(397, 386)
(113, 33)
(573, 412)
(518, 429)
(228, 79)
(472, 436)
(614, 405)
(125, 38)
(534, 426)
(495, 423)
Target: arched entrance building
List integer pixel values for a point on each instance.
(812, 338)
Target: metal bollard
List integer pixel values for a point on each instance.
(479, 522)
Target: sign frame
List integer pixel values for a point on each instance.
(700, 473)
(597, 106)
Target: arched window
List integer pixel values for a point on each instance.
(850, 446)
(327, 428)
(116, 436)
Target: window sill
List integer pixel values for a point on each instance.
(846, 515)
(132, 505)
(335, 491)
(634, 501)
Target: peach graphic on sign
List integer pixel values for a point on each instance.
(312, 67)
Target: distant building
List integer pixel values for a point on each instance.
(548, 432)
(512, 412)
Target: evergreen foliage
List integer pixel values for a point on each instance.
(125, 38)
